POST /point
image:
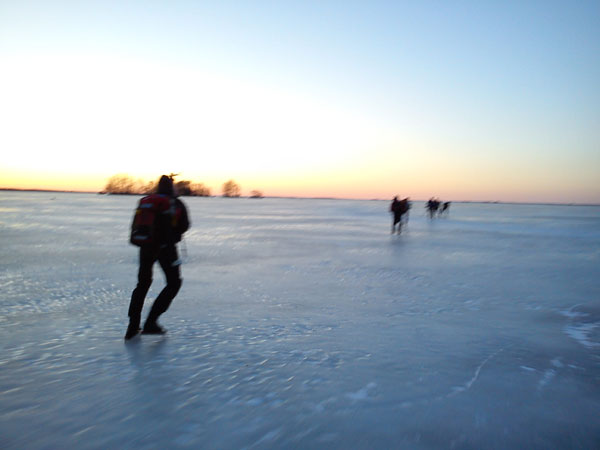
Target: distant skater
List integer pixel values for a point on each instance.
(432, 207)
(445, 208)
(159, 223)
(399, 208)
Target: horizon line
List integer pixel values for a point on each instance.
(65, 191)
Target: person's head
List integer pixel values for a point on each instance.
(165, 186)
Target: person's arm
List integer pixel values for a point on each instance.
(184, 221)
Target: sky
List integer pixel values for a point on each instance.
(463, 100)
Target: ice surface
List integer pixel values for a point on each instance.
(302, 324)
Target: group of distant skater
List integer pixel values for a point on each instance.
(435, 207)
(399, 209)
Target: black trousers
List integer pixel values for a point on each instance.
(397, 218)
(169, 263)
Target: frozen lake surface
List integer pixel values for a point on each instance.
(302, 324)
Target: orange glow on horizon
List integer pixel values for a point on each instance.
(353, 184)
(36, 180)
(354, 179)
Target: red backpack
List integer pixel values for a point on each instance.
(143, 226)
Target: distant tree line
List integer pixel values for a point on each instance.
(125, 185)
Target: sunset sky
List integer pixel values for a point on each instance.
(465, 100)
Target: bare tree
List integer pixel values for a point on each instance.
(149, 187)
(200, 190)
(231, 189)
(120, 184)
(256, 194)
(184, 187)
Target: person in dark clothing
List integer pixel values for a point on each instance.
(398, 208)
(171, 222)
(445, 208)
(432, 207)
(395, 214)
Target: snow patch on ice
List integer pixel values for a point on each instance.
(322, 405)
(556, 362)
(581, 333)
(569, 313)
(362, 394)
(581, 327)
(546, 378)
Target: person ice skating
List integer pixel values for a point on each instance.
(159, 223)
(445, 208)
(398, 208)
(432, 207)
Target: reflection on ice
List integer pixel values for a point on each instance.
(302, 323)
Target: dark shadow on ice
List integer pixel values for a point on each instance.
(398, 243)
(143, 352)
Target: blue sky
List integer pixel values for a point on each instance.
(469, 99)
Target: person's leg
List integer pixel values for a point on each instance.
(169, 262)
(397, 218)
(139, 293)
